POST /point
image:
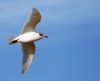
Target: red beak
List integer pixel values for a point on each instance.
(45, 36)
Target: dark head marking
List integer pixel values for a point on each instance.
(40, 34)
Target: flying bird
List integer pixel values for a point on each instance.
(27, 38)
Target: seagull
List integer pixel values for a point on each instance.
(27, 38)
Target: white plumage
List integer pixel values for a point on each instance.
(27, 38)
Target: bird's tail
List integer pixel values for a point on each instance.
(11, 41)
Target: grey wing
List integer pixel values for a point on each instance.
(28, 53)
(32, 22)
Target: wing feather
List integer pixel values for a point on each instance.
(28, 54)
(32, 22)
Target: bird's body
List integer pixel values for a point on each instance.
(27, 38)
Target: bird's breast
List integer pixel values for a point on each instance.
(30, 37)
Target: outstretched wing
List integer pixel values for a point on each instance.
(32, 22)
(28, 53)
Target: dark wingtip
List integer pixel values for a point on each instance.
(34, 9)
(23, 71)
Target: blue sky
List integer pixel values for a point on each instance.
(72, 51)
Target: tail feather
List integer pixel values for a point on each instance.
(11, 41)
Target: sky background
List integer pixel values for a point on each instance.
(72, 51)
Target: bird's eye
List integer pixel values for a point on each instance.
(40, 34)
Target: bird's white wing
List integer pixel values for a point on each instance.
(28, 53)
(32, 22)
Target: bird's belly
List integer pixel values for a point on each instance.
(26, 39)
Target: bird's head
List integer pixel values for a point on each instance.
(42, 35)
